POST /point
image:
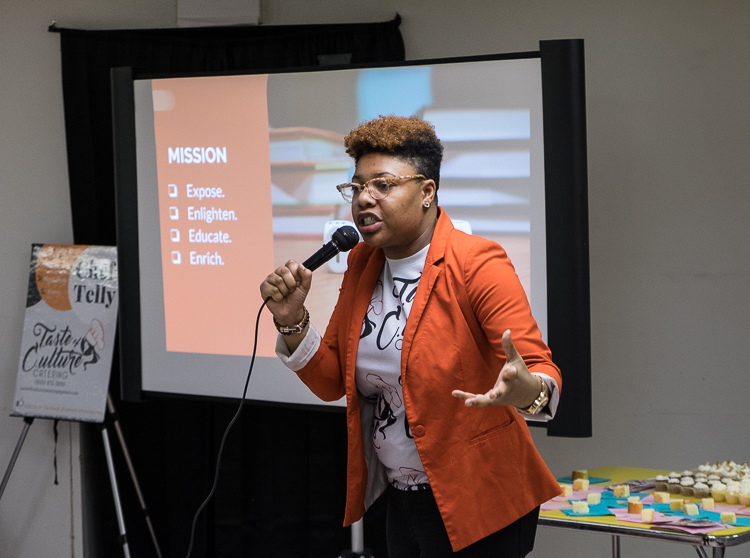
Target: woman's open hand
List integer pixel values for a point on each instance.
(514, 386)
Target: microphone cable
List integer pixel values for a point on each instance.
(343, 240)
(226, 432)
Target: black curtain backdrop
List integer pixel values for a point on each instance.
(282, 480)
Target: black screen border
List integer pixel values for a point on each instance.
(566, 216)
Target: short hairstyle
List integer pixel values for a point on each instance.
(410, 139)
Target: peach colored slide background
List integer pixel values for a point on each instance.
(212, 308)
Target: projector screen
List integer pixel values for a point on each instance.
(230, 176)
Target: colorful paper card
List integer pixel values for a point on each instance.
(592, 480)
(596, 509)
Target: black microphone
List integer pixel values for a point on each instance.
(342, 240)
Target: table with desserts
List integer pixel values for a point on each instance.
(651, 504)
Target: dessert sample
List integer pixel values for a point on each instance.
(567, 490)
(661, 497)
(579, 506)
(580, 474)
(677, 505)
(621, 491)
(691, 509)
(581, 485)
(661, 482)
(647, 514)
(594, 498)
(635, 505)
(686, 486)
(701, 490)
(733, 492)
(728, 517)
(708, 503)
(744, 495)
(719, 492)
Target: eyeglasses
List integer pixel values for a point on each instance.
(378, 188)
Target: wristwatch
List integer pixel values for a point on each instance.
(539, 403)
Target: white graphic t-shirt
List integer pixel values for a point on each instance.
(378, 369)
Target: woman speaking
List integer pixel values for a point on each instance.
(433, 343)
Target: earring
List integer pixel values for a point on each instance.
(427, 204)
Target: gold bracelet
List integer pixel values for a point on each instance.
(291, 330)
(539, 403)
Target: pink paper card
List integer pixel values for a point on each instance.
(718, 508)
(578, 494)
(698, 530)
(622, 515)
(554, 505)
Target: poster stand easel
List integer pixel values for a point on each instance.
(115, 491)
(110, 417)
(26, 425)
(123, 445)
(67, 344)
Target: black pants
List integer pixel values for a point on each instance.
(414, 529)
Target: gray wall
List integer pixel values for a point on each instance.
(39, 519)
(668, 127)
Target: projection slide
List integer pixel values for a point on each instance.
(237, 175)
(214, 203)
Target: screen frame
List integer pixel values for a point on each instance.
(566, 217)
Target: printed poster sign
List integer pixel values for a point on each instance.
(68, 334)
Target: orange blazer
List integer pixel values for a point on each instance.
(481, 462)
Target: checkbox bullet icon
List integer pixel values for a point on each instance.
(176, 257)
(172, 190)
(174, 234)
(174, 213)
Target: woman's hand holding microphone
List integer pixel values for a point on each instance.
(285, 291)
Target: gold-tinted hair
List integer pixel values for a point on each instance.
(410, 139)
